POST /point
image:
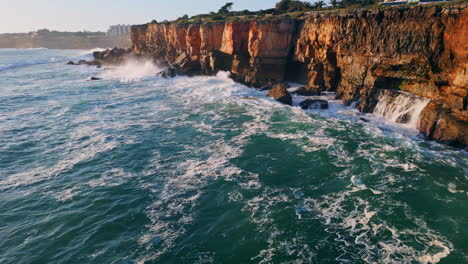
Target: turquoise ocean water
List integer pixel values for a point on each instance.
(139, 169)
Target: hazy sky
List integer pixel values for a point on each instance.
(93, 15)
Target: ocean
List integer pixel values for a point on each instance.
(134, 168)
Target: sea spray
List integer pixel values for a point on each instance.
(132, 70)
(400, 107)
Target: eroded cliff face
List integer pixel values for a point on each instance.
(421, 50)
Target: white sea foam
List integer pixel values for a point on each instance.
(435, 258)
(131, 71)
(67, 194)
(181, 192)
(114, 177)
(359, 227)
(452, 187)
(80, 150)
(193, 174)
(360, 221)
(403, 108)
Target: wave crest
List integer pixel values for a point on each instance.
(132, 70)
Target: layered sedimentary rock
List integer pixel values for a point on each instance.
(420, 50)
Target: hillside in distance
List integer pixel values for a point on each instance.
(62, 40)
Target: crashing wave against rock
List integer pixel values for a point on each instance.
(400, 107)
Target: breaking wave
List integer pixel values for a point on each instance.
(132, 70)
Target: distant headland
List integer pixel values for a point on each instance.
(116, 36)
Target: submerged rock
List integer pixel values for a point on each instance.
(281, 94)
(84, 62)
(314, 104)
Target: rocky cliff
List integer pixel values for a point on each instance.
(421, 50)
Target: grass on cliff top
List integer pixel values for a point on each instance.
(272, 15)
(201, 19)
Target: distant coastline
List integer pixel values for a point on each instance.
(63, 40)
(420, 50)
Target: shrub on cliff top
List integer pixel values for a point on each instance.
(225, 8)
(292, 6)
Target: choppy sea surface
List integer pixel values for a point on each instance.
(134, 168)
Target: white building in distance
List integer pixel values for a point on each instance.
(119, 30)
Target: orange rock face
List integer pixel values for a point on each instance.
(193, 40)
(235, 37)
(176, 39)
(271, 39)
(269, 48)
(421, 50)
(211, 36)
(138, 38)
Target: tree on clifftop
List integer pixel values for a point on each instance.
(283, 5)
(320, 4)
(292, 5)
(225, 8)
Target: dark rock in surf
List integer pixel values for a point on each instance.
(111, 56)
(169, 73)
(267, 86)
(443, 125)
(185, 64)
(82, 62)
(94, 79)
(306, 91)
(314, 104)
(281, 94)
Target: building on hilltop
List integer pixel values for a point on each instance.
(118, 30)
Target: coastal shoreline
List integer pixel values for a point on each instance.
(417, 50)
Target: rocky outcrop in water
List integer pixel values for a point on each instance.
(314, 104)
(281, 94)
(420, 50)
(111, 56)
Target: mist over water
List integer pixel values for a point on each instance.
(132, 70)
(139, 169)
